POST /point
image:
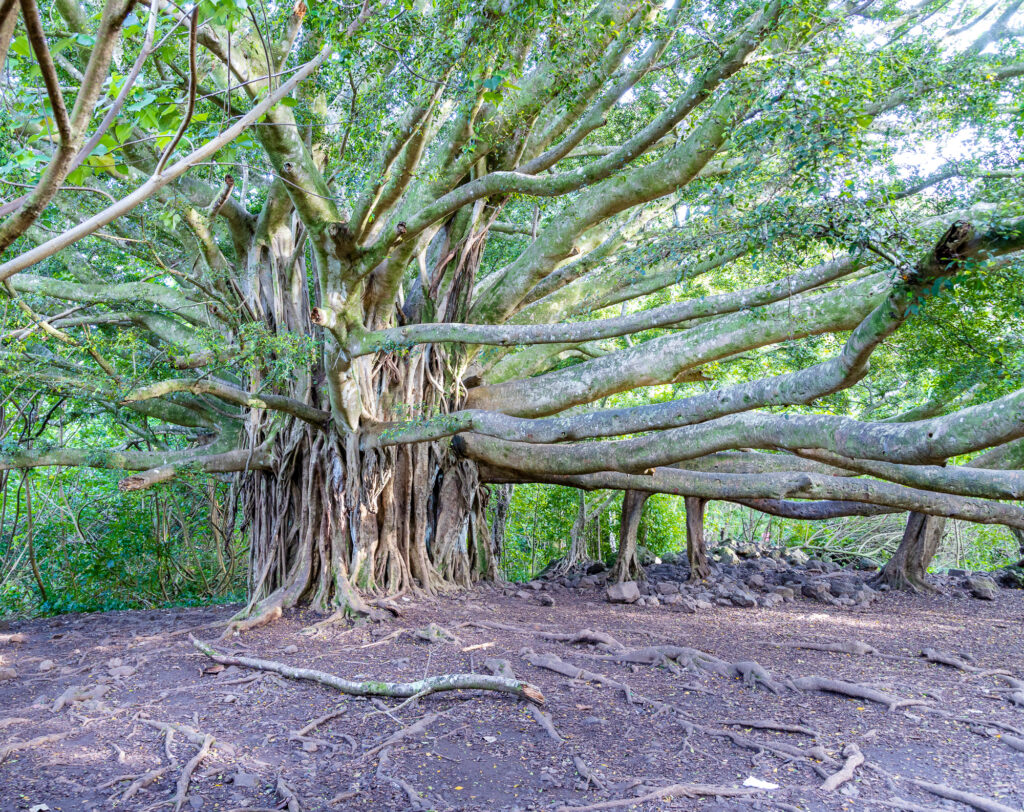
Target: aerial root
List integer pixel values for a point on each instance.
(969, 798)
(769, 724)
(403, 690)
(39, 741)
(587, 774)
(674, 790)
(854, 758)
(854, 690)
(503, 668)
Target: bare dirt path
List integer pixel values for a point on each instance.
(660, 709)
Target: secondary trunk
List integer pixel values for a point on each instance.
(696, 550)
(627, 565)
(908, 567)
(1019, 536)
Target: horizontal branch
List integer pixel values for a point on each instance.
(734, 487)
(509, 335)
(232, 394)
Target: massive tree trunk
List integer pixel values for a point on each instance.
(627, 565)
(908, 567)
(696, 551)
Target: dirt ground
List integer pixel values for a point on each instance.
(91, 697)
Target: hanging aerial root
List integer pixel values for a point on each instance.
(854, 690)
(969, 798)
(673, 790)
(402, 690)
(854, 758)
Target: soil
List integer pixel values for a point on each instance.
(488, 751)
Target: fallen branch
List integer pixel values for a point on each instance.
(854, 758)
(675, 790)
(402, 690)
(968, 798)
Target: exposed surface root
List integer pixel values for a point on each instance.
(309, 728)
(855, 647)
(586, 773)
(415, 729)
(854, 758)
(945, 658)
(673, 790)
(969, 798)
(502, 668)
(38, 741)
(144, 781)
(404, 690)
(854, 690)
(262, 619)
(186, 773)
(750, 672)
(768, 724)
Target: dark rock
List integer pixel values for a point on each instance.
(596, 567)
(546, 600)
(982, 587)
(668, 588)
(626, 592)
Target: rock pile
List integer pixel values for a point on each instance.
(749, 576)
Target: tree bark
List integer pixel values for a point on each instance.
(627, 565)
(1018, 534)
(696, 550)
(908, 567)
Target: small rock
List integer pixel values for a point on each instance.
(545, 600)
(982, 587)
(244, 780)
(121, 671)
(46, 665)
(797, 557)
(309, 747)
(702, 603)
(522, 594)
(626, 592)
(292, 649)
(668, 588)
(748, 550)
(955, 573)
(596, 568)
(742, 598)
(652, 600)
(868, 564)
(8, 673)
(726, 555)
(771, 600)
(756, 581)
(819, 592)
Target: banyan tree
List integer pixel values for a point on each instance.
(374, 261)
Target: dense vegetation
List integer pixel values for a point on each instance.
(293, 295)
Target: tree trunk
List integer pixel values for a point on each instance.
(696, 550)
(908, 567)
(627, 566)
(1018, 534)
